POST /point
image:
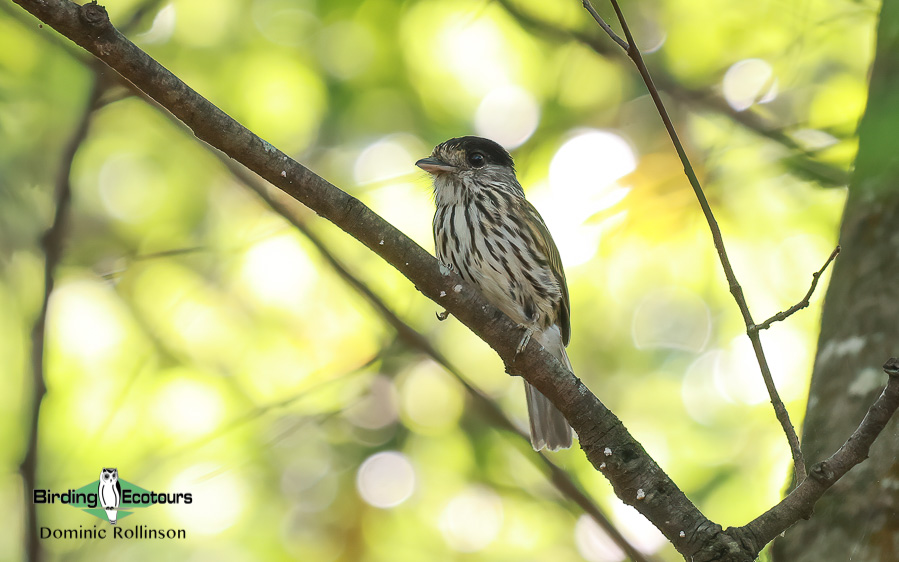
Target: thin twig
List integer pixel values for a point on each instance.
(816, 276)
(112, 274)
(605, 27)
(736, 290)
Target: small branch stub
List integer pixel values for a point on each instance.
(95, 15)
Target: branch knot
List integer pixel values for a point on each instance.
(95, 16)
(822, 472)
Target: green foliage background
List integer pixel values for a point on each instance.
(198, 343)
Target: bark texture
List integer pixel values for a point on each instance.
(859, 519)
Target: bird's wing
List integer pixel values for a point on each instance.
(545, 242)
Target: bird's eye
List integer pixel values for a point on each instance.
(477, 160)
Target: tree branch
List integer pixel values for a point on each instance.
(635, 477)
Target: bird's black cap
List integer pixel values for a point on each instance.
(493, 151)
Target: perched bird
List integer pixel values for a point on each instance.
(110, 492)
(487, 232)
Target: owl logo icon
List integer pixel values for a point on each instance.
(110, 492)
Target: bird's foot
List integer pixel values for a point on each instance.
(528, 332)
(443, 315)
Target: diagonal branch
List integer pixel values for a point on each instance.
(634, 475)
(736, 290)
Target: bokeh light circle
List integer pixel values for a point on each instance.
(386, 479)
(508, 114)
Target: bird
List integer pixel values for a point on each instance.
(488, 233)
(110, 492)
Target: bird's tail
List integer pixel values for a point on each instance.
(549, 428)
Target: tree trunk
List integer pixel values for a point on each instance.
(858, 519)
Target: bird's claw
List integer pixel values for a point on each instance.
(443, 315)
(528, 332)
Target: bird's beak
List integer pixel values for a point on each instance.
(434, 166)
